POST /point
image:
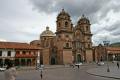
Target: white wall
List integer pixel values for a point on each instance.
(5, 52)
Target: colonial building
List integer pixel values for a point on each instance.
(69, 44)
(21, 54)
(103, 53)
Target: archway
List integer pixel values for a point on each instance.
(53, 61)
(79, 58)
(53, 56)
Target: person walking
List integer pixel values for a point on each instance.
(10, 72)
(118, 65)
(78, 66)
(41, 74)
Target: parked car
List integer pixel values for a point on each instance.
(78, 64)
(100, 63)
(2, 68)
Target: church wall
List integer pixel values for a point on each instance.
(89, 55)
(46, 54)
(67, 57)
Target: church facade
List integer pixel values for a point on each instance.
(69, 44)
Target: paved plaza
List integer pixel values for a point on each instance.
(59, 73)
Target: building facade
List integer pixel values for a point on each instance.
(69, 44)
(21, 54)
(104, 53)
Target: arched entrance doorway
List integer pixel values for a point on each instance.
(79, 58)
(53, 61)
(53, 56)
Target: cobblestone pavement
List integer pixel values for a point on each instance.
(114, 71)
(58, 74)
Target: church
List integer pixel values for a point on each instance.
(69, 44)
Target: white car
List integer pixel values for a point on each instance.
(2, 69)
(78, 64)
(100, 63)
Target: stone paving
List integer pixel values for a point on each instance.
(102, 71)
(58, 72)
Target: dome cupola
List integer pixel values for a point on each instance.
(63, 15)
(47, 32)
(83, 20)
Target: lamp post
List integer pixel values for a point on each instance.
(106, 44)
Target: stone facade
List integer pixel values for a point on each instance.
(69, 44)
(104, 53)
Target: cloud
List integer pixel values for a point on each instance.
(96, 8)
(26, 19)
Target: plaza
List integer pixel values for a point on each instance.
(62, 72)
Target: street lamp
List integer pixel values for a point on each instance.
(106, 44)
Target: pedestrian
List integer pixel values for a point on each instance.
(41, 74)
(10, 72)
(78, 66)
(118, 65)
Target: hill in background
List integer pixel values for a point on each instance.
(117, 44)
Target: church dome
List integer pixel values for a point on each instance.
(83, 20)
(47, 32)
(63, 15)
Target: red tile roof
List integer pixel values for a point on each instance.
(113, 48)
(17, 45)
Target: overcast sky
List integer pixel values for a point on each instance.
(24, 20)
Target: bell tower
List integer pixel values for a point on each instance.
(84, 25)
(64, 35)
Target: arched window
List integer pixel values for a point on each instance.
(66, 24)
(59, 24)
(67, 44)
(87, 28)
(88, 45)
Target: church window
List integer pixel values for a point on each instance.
(87, 28)
(88, 39)
(67, 44)
(66, 24)
(59, 24)
(88, 45)
(47, 43)
(59, 36)
(67, 36)
(44, 38)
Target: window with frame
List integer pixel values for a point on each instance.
(67, 36)
(0, 53)
(9, 53)
(88, 45)
(24, 52)
(59, 24)
(67, 44)
(66, 24)
(87, 28)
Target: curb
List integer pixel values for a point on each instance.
(102, 75)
